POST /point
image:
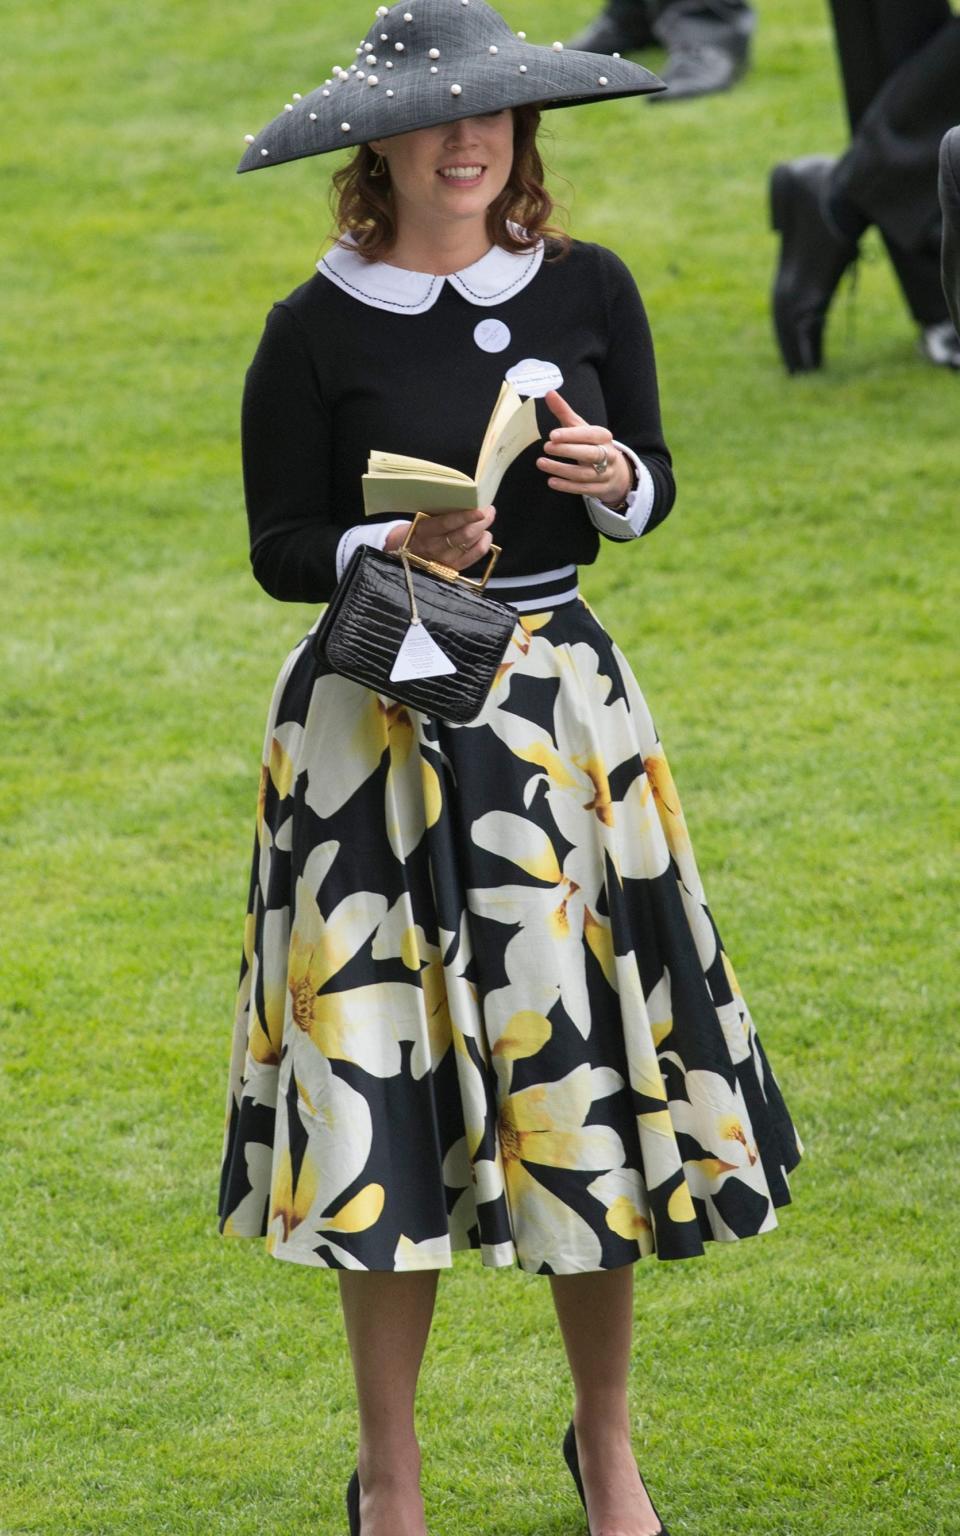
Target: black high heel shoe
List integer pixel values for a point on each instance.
(573, 1462)
(353, 1503)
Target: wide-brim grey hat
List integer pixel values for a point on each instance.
(424, 62)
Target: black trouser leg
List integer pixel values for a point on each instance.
(874, 37)
(901, 74)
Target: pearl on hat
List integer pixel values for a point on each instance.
(288, 106)
(297, 96)
(325, 93)
(389, 93)
(523, 69)
(434, 53)
(522, 36)
(389, 63)
(456, 90)
(434, 70)
(249, 138)
(361, 74)
(382, 10)
(407, 16)
(602, 80)
(371, 58)
(345, 127)
(557, 47)
(494, 48)
(372, 80)
(398, 47)
(359, 50)
(264, 151)
(615, 55)
(384, 38)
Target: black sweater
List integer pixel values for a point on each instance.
(334, 378)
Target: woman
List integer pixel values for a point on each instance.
(483, 1003)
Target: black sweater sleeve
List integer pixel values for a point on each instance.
(628, 376)
(286, 447)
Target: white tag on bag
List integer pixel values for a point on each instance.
(420, 656)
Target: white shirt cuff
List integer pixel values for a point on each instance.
(374, 534)
(630, 523)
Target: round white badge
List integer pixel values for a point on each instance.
(534, 377)
(492, 336)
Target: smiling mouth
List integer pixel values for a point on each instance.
(461, 173)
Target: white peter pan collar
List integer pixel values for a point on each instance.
(494, 279)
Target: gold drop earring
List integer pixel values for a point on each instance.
(379, 167)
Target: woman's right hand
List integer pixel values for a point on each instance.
(454, 539)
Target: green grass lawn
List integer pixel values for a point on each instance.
(793, 627)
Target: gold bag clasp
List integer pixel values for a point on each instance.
(446, 572)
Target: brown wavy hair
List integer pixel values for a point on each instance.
(362, 199)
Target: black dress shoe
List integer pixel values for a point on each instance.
(353, 1503)
(813, 257)
(573, 1462)
(618, 29)
(702, 68)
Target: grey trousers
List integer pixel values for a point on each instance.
(714, 15)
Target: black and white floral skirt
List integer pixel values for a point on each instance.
(483, 1003)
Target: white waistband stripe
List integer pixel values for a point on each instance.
(562, 573)
(542, 604)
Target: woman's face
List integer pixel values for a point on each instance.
(453, 171)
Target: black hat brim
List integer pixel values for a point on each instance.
(499, 71)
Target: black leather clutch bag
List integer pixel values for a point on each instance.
(416, 631)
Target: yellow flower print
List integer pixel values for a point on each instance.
(544, 1125)
(357, 1024)
(601, 804)
(626, 1220)
(262, 798)
(524, 1034)
(531, 622)
(680, 1205)
(318, 949)
(430, 1253)
(357, 1214)
(424, 1019)
(600, 941)
(520, 841)
(550, 916)
(715, 1116)
(623, 1193)
(368, 726)
(292, 1204)
(731, 975)
(730, 1128)
(658, 772)
(264, 1046)
(281, 768)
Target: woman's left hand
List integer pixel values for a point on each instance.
(580, 450)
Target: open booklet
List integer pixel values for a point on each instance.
(396, 483)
